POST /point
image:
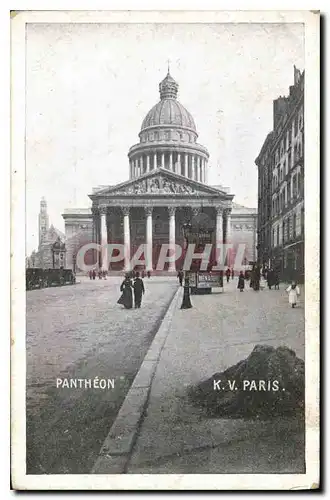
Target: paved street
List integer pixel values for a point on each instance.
(81, 332)
(220, 330)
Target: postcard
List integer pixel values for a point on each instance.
(165, 250)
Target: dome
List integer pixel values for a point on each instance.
(168, 111)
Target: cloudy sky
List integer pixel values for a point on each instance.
(89, 86)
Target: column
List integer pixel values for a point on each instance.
(127, 239)
(148, 211)
(103, 237)
(136, 168)
(163, 160)
(171, 211)
(171, 162)
(95, 213)
(193, 176)
(141, 164)
(219, 236)
(205, 171)
(228, 226)
(186, 165)
(228, 237)
(148, 163)
(178, 164)
(155, 161)
(200, 167)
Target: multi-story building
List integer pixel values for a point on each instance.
(281, 186)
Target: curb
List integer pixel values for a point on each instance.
(117, 446)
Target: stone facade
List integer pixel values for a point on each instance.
(51, 251)
(281, 186)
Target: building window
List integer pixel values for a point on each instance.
(288, 190)
(278, 235)
(294, 186)
(298, 184)
(290, 221)
(294, 225)
(298, 222)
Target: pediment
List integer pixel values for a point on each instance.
(160, 182)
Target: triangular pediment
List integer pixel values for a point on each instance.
(160, 182)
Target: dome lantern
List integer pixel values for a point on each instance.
(168, 88)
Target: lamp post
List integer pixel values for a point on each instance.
(186, 303)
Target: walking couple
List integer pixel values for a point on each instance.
(126, 287)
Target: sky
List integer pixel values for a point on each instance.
(89, 87)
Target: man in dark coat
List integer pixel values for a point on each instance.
(94, 274)
(256, 282)
(270, 278)
(138, 290)
(228, 273)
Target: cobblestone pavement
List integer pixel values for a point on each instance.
(220, 330)
(81, 332)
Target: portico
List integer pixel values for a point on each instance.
(152, 211)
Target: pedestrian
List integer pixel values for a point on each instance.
(256, 286)
(180, 276)
(126, 297)
(143, 273)
(94, 274)
(233, 274)
(276, 280)
(293, 291)
(105, 274)
(228, 274)
(148, 274)
(90, 274)
(100, 274)
(241, 282)
(138, 286)
(270, 278)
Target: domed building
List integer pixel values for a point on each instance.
(167, 188)
(168, 139)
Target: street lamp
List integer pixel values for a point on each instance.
(186, 303)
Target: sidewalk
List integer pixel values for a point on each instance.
(220, 330)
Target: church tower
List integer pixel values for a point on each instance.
(43, 221)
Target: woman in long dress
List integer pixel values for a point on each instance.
(126, 297)
(293, 291)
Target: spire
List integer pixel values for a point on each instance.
(43, 205)
(168, 88)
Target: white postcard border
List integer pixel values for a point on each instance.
(312, 192)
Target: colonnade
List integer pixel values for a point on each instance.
(192, 166)
(223, 223)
